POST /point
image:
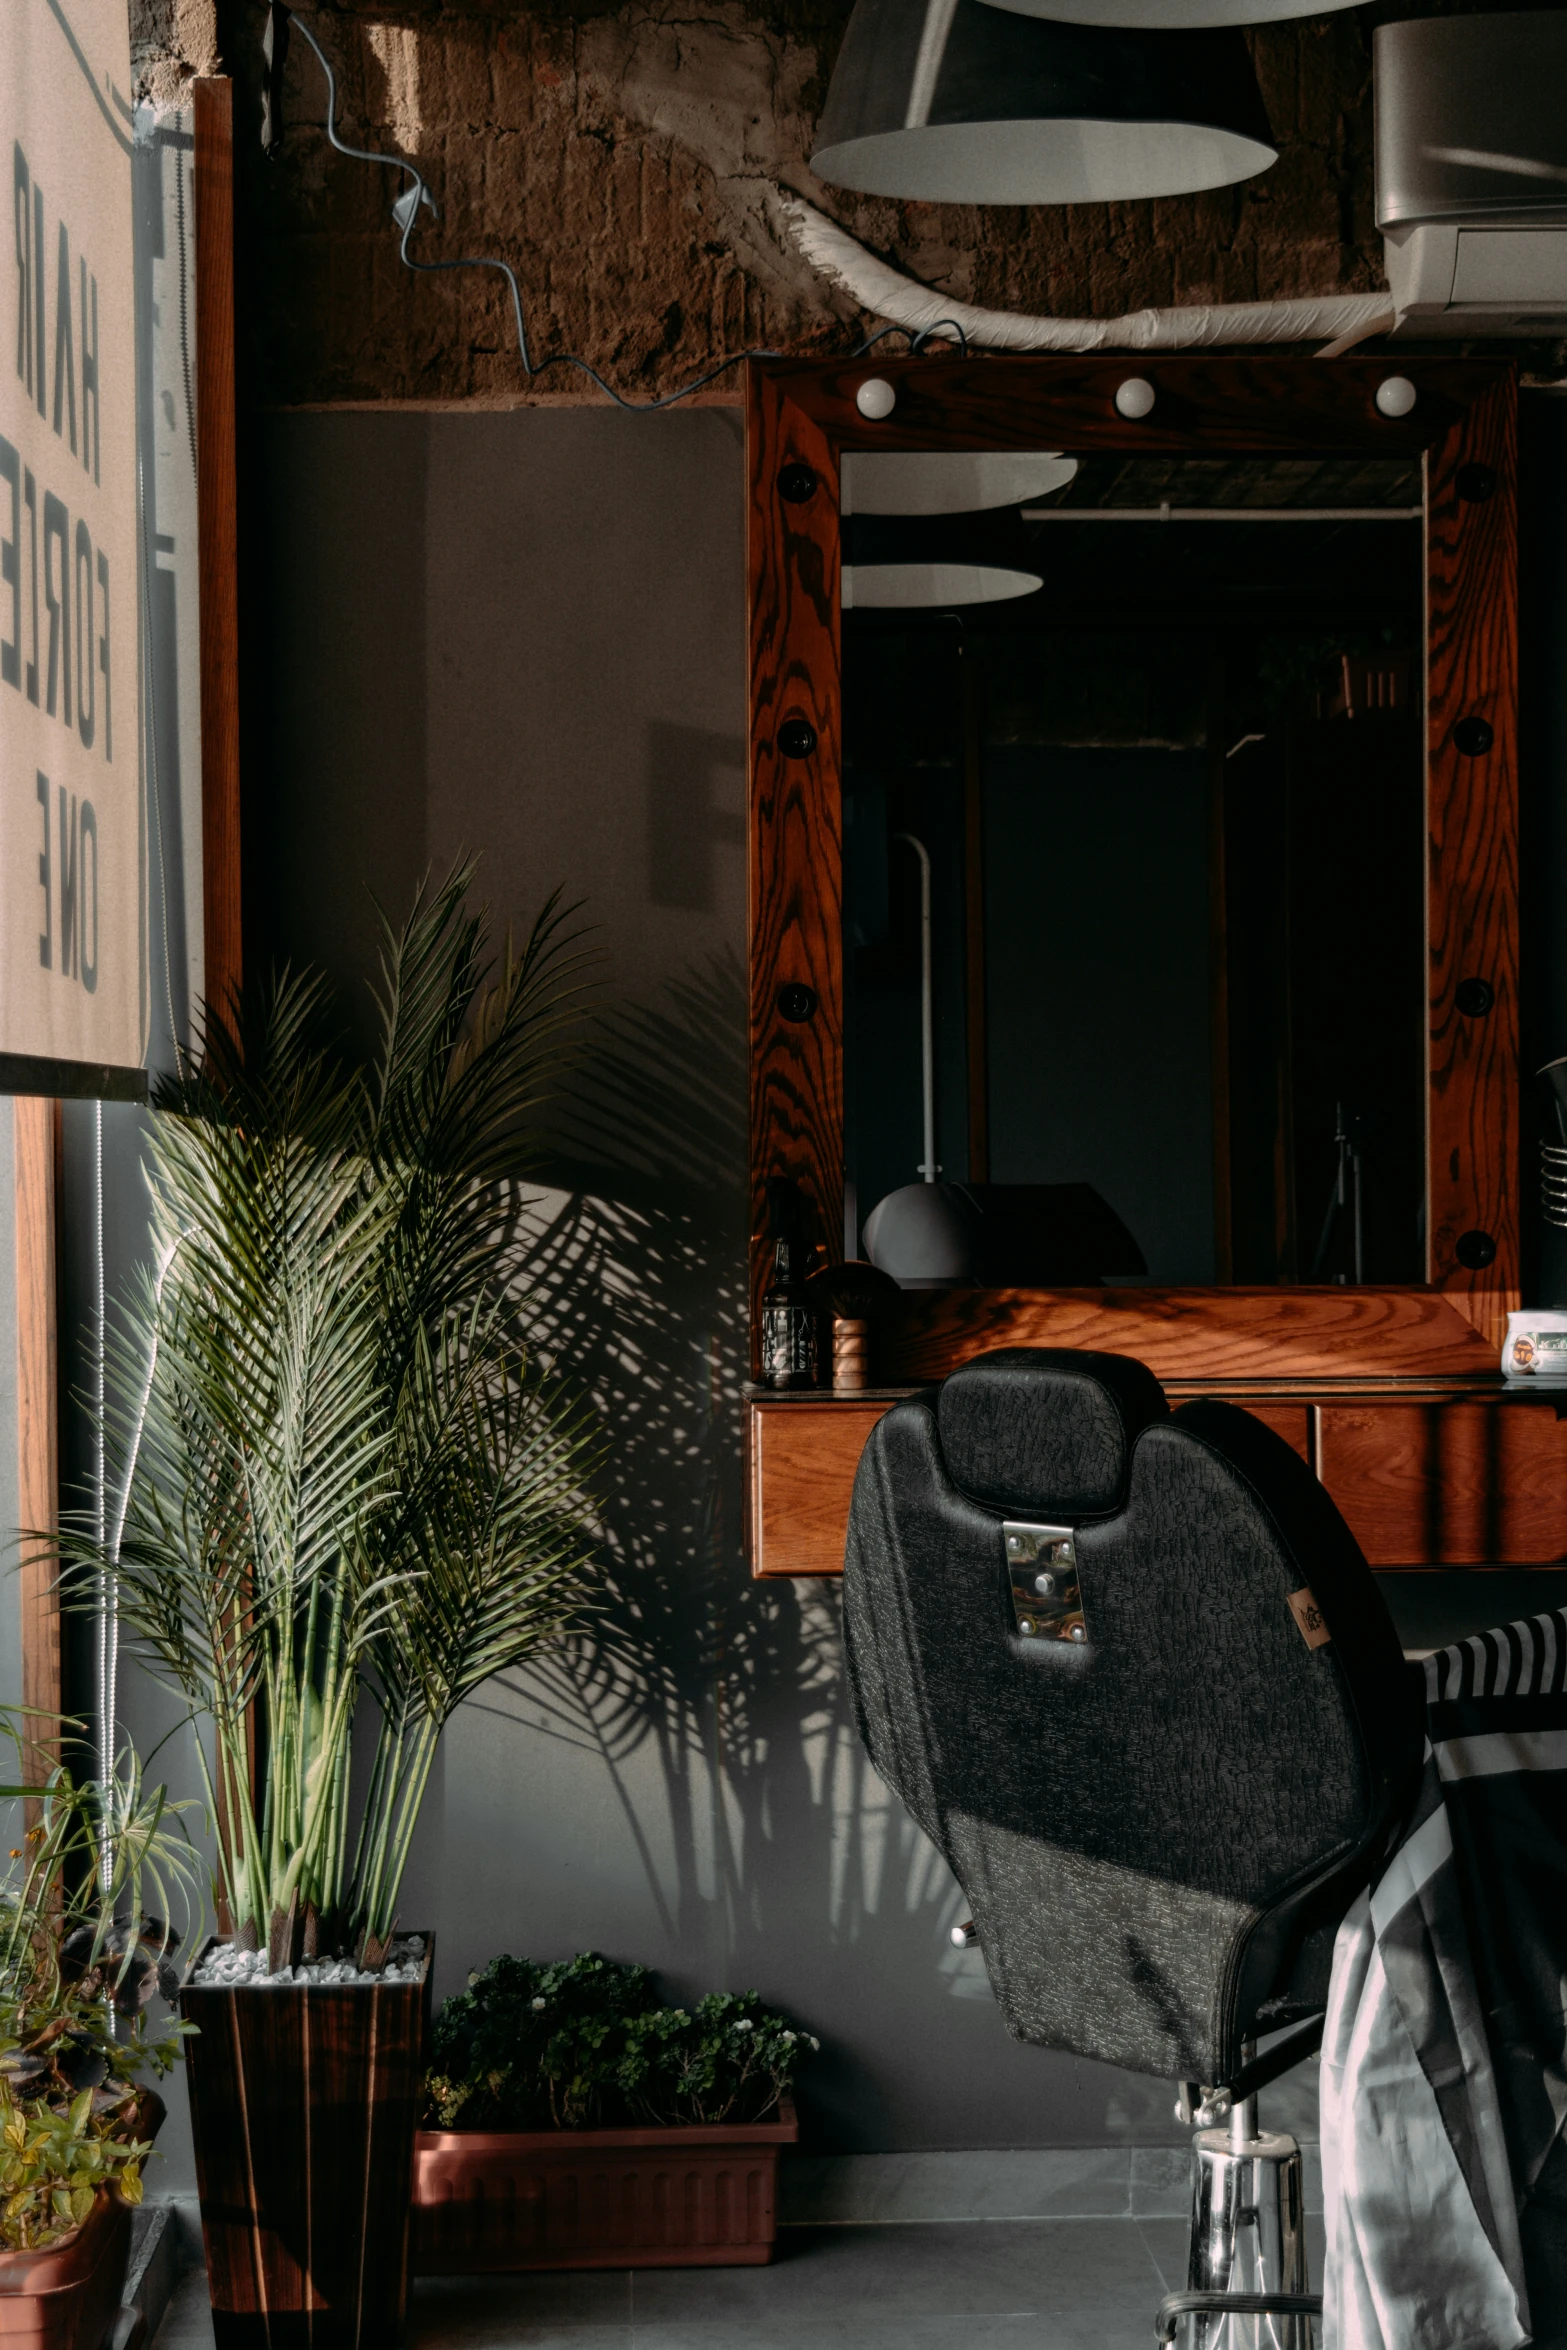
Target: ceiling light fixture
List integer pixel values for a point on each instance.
(958, 102)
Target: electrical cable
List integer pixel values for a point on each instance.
(416, 197)
(179, 221)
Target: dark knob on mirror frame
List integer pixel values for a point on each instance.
(1474, 997)
(1473, 736)
(797, 738)
(1475, 1250)
(796, 1001)
(1476, 483)
(796, 484)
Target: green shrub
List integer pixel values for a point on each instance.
(586, 2044)
(52, 2163)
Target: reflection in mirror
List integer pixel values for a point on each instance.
(923, 482)
(1134, 869)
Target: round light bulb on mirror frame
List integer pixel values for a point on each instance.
(875, 398)
(1396, 396)
(1134, 398)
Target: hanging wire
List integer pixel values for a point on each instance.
(416, 197)
(948, 327)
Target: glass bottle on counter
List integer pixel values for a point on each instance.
(788, 1323)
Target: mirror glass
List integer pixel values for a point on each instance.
(1134, 870)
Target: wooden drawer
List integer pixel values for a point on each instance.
(1449, 1484)
(1292, 1421)
(802, 1462)
(802, 1459)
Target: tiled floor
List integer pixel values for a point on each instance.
(1066, 2284)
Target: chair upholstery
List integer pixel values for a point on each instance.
(1157, 1830)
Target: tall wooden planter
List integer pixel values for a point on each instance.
(304, 2103)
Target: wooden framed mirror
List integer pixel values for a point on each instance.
(1434, 444)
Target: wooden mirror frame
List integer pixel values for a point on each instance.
(1443, 1335)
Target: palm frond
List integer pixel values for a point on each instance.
(339, 1471)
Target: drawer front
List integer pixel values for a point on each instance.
(802, 1462)
(1292, 1421)
(1445, 1484)
(1458, 1484)
(802, 1459)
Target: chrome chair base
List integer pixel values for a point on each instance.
(1247, 2283)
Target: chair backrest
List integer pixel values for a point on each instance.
(1158, 1822)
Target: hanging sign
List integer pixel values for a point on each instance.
(71, 895)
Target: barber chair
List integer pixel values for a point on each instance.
(1132, 1675)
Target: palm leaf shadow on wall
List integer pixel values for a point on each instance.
(635, 1271)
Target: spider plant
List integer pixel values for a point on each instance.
(345, 1476)
(80, 1964)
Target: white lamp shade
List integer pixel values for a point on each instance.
(956, 102)
(920, 587)
(921, 1236)
(1171, 15)
(947, 481)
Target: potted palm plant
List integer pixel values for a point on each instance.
(576, 2120)
(80, 1966)
(348, 1486)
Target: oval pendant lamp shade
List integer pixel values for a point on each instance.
(925, 587)
(957, 102)
(1170, 16)
(946, 481)
(931, 561)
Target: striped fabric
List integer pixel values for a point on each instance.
(1444, 2066)
(1526, 1659)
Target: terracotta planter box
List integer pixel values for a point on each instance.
(675, 2198)
(304, 2102)
(67, 2297)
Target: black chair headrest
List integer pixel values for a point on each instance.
(1046, 1430)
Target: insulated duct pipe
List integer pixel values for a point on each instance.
(1343, 319)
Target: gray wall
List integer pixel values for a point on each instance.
(523, 634)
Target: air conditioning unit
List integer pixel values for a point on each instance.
(1471, 161)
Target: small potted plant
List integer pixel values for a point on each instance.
(79, 1967)
(576, 2121)
(349, 1487)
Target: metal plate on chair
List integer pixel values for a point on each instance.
(1042, 1577)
